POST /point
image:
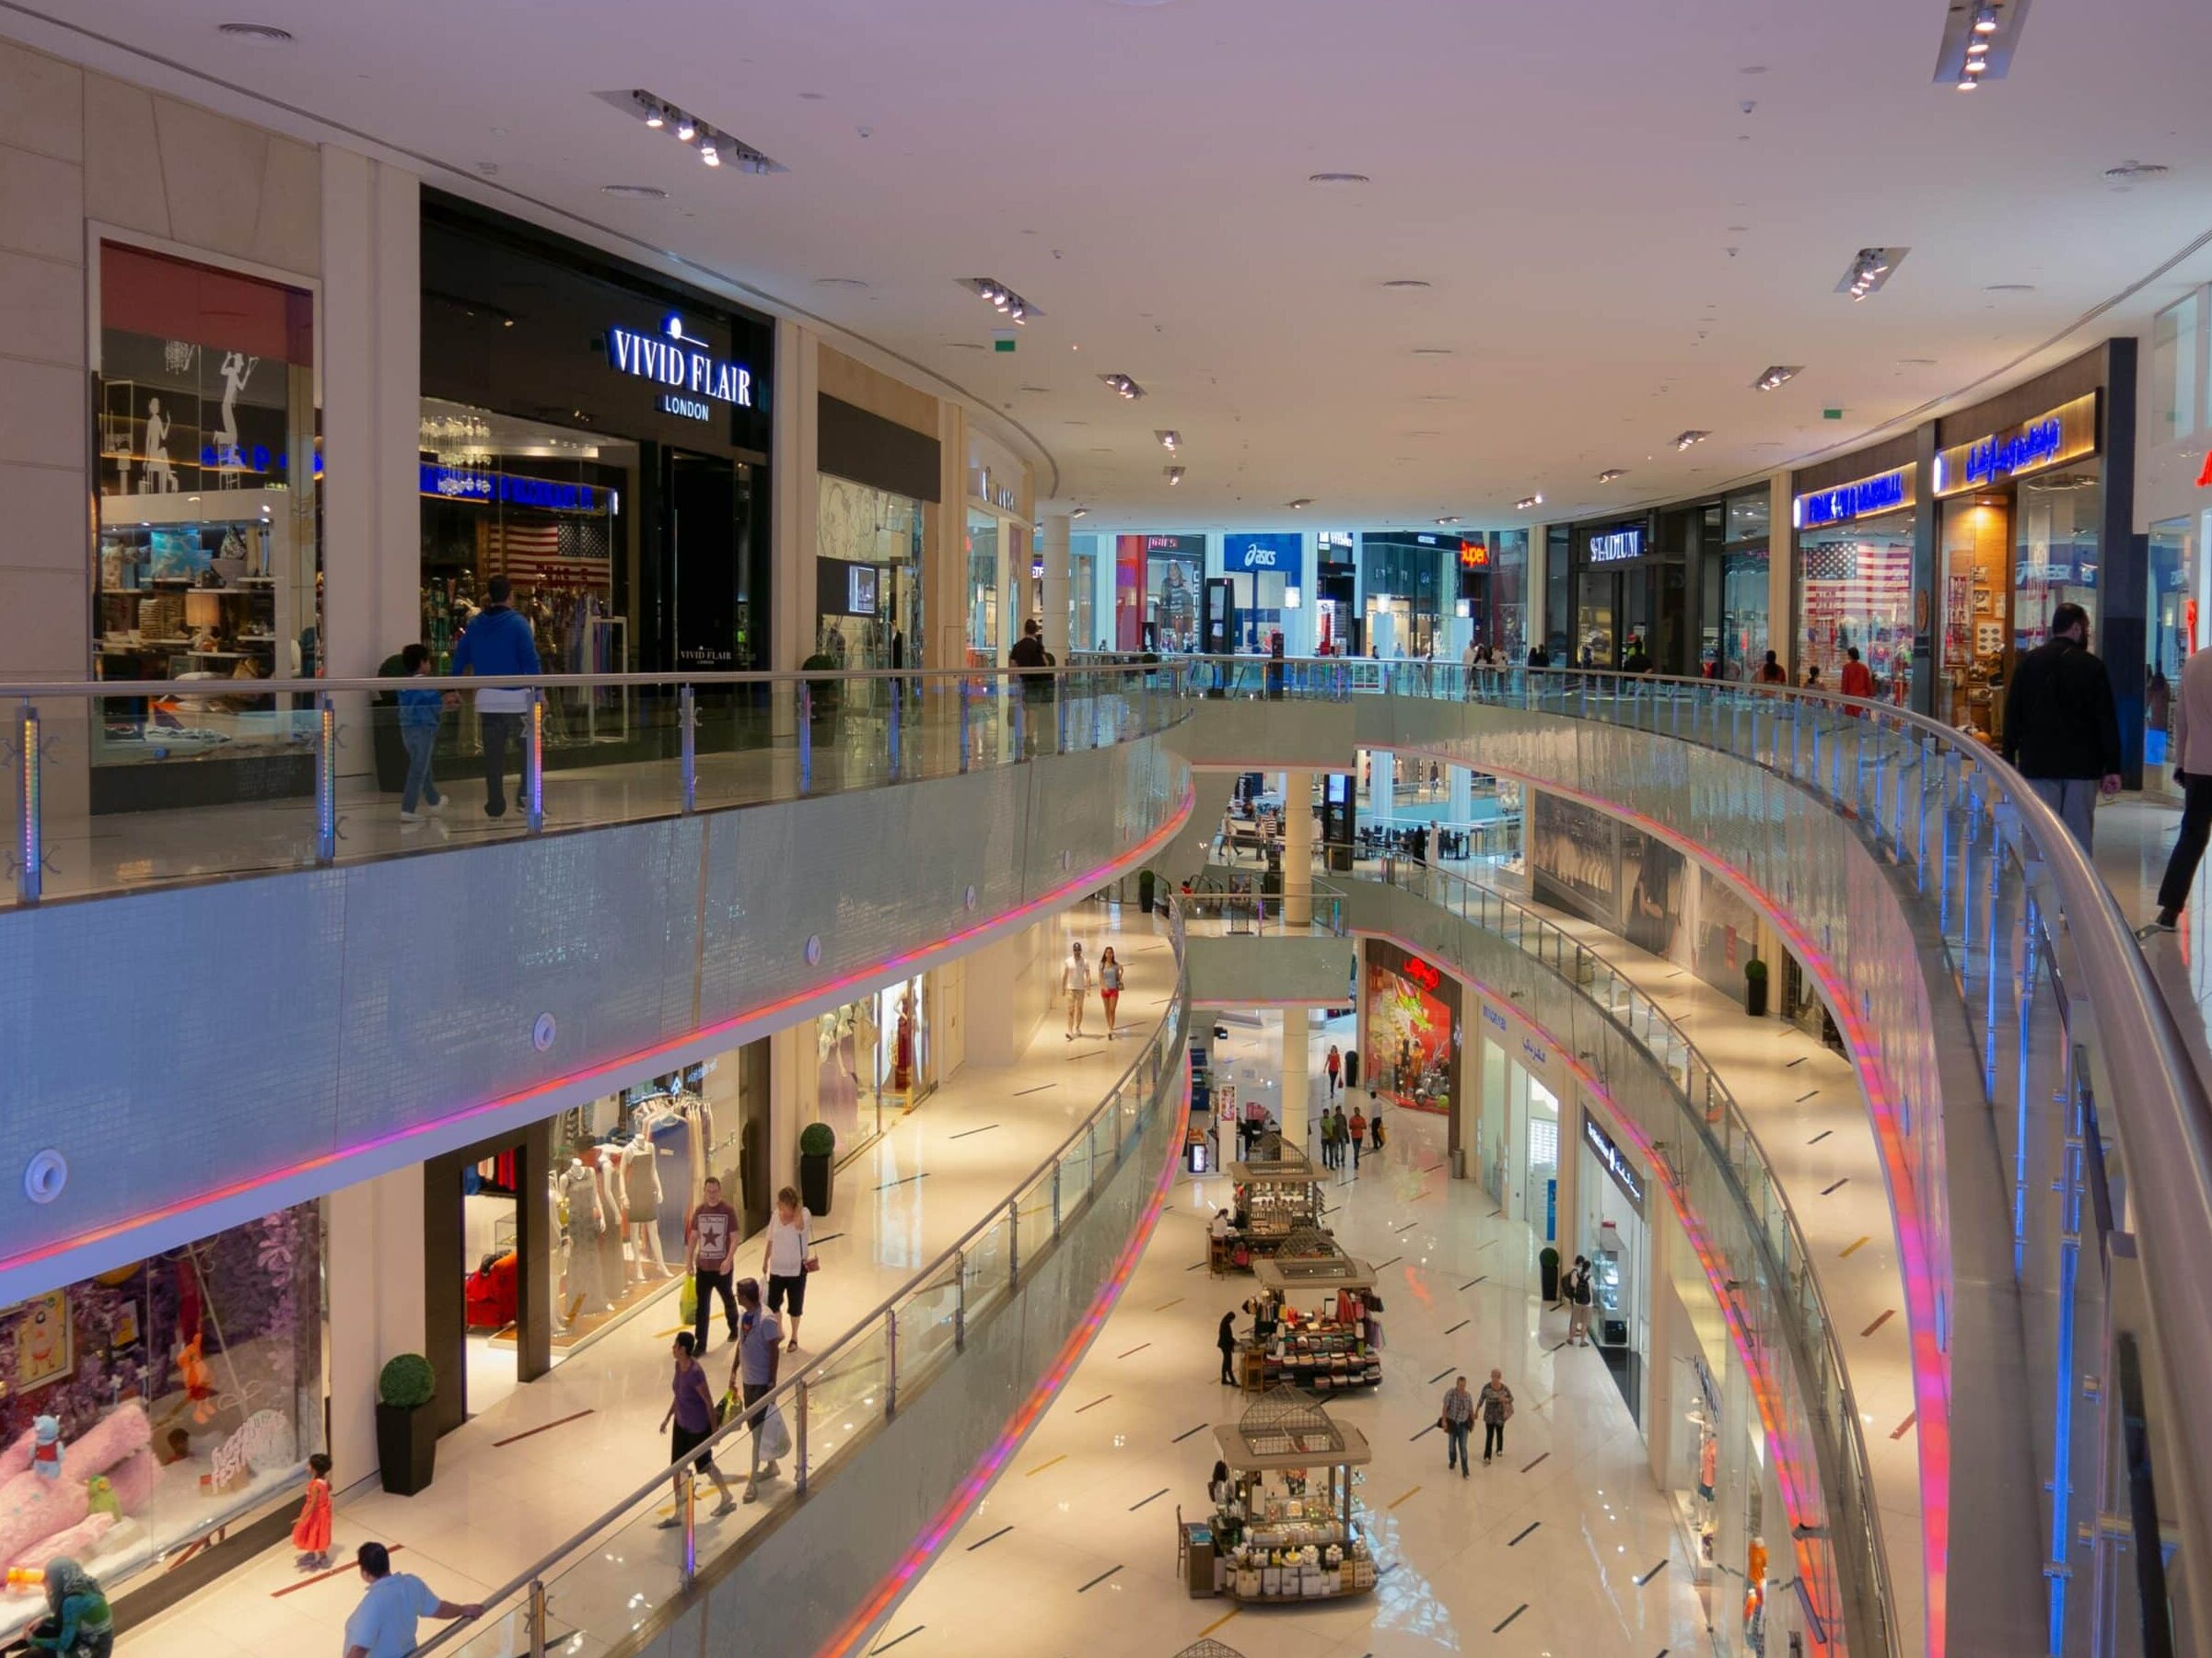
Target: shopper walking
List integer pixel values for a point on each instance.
(1496, 1403)
(1328, 1139)
(1374, 1130)
(1110, 986)
(420, 715)
(2189, 722)
(2060, 727)
(1456, 1419)
(789, 1259)
(710, 1239)
(1034, 666)
(495, 643)
(1226, 1340)
(1359, 1132)
(1576, 1292)
(1075, 985)
(692, 1409)
(383, 1624)
(1334, 1066)
(752, 1372)
(1772, 673)
(1344, 1136)
(1858, 680)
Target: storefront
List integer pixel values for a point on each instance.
(873, 1057)
(1159, 593)
(1409, 1035)
(2174, 499)
(1627, 588)
(1611, 1187)
(208, 560)
(1335, 594)
(876, 481)
(1006, 585)
(1516, 1133)
(1266, 586)
(600, 438)
(1491, 594)
(186, 1391)
(1729, 562)
(1855, 541)
(1406, 594)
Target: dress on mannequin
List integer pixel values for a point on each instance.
(641, 1191)
(615, 1277)
(579, 1190)
(672, 1135)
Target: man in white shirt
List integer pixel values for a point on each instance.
(383, 1625)
(1074, 984)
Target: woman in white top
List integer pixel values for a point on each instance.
(788, 1258)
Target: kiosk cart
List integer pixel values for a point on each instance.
(1276, 1196)
(1330, 1347)
(1290, 1535)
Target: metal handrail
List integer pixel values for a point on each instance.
(1567, 944)
(1164, 1040)
(39, 690)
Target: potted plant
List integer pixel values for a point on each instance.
(406, 1437)
(817, 1173)
(1755, 987)
(1145, 883)
(1547, 1262)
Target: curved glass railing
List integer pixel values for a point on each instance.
(118, 785)
(1748, 1237)
(615, 1580)
(2102, 1120)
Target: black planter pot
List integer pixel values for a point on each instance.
(1146, 882)
(1548, 1263)
(1755, 998)
(817, 1184)
(406, 1448)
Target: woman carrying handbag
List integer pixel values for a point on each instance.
(790, 1260)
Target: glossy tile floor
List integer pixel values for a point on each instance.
(1074, 1551)
(502, 1501)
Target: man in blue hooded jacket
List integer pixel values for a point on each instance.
(497, 643)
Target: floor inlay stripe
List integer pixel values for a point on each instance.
(1097, 1581)
(1439, 1375)
(1822, 1134)
(1888, 1313)
(1500, 1629)
(1805, 1096)
(1094, 1404)
(992, 1538)
(1392, 1262)
(1798, 1061)
(1219, 1621)
(1904, 1426)
(1652, 1573)
(889, 1183)
(889, 1644)
(1139, 1348)
(1826, 1190)
(1526, 1466)
(321, 1577)
(1524, 1532)
(542, 1427)
(1851, 1249)
(1407, 1228)
(964, 1133)
(1165, 1305)
(1460, 1326)
(1186, 1434)
(1025, 1092)
(1402, 1498)
(1430, 1428)
(1154, 1498)
(1042, 1466)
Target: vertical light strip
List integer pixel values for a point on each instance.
(32, 851)
(326, 780)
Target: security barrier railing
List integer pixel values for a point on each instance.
(617, 1576)
(213, 778)
(2102, 1118)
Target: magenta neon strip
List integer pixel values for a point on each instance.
(643, 1059)
(948, 1519)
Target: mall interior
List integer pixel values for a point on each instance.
(991, 856)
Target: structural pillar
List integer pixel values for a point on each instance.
(1378, 791)
(1053, 550)
(1459, 783)
(1781, 580)
(1298, 1068)
(1297, 849)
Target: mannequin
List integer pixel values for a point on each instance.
(614, 1273)
(642, 1196)
(902, 1052)
(578, 1187)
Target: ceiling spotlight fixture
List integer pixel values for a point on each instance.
(1977, 65)
(2137, 172)
(1174, 476)
(1966, 84)
(1001, 298)
(1080, 513)
(1125, 385)
(1528, 501)
(1977, 47)
(1686, 439)
(1300, 504)
(1984, 20)
(1777, 374)
(1869, 270)
(1612, 473)
(1449, 518)
(715, 147)
(1407, 283)
(1170, 441)
(635, 192)
(1979, 40)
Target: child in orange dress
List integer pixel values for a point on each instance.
(312, 1532)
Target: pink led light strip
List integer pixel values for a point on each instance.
(957, 1508)
(644, 1059)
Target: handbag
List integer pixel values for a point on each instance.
(723, 1407)
(811, 1264)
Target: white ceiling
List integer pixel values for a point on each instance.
(1616, 248)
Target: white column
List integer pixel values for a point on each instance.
(1298, 848)
(1781, 571)
(793, 1081)
(1535, 591)
(796, 488)
(1661, 1422)
(1053, 550)
(374, 1257)
(945, 583)
(1380, 791)
(1570, 1243)
(1297, 1072)
(1460, 805)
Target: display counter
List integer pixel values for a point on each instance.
(1278, 1200)
(1286, 1530)
(1332, 1345)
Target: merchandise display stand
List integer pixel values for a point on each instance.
(1277, 1197)
(1334, 1350)
(1287, 1534)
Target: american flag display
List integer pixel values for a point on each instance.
(1867, 584)
(549, 555)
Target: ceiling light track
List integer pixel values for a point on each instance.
(1001, 299)
(1170, 441)
(1777, 375)
(1528, 501)
(1611, 473)
(1978, 41)
(1123, 385)
(716, 147)
(1689, 439)
(1870, 271)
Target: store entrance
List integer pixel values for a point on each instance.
(704, 601)
(487, 1287)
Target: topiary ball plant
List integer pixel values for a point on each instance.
(407, 1382)
(816, 1139)
(1755, 969)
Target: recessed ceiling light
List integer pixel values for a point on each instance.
(1174, 475)
(1170, 441)
(1610, 473)
(1300, 504)
(2009, 287)
(1684, 439)
(1448, 519)
(1777, 374)
(1408, 282)
(635, 192)
(2137, 172)
(813, 97)
(1080, 513)
(1034, 390)
(1122, 384)
(1917, 362)
(1752, 69)
(1528, 501)
(256, 34)
(1432, 351)
(1338, 180)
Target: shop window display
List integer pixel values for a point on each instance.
(2056, 556)
(1857, 591)
(208, 558)
(1409, 1051)
(868, 550)
(872, 1055)
(2173, 613)
(145, 1407)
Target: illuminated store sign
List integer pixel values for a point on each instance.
(2204, 478)
(469, 483)
(1617, 546)
(1624, 1173)
(671, 360)
(2064, 433)
(1251, 553)
(1884, 492)
(1474, 556)
(1422, 973)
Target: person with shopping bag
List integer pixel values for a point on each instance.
(752, 1376)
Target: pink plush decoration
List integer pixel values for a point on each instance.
(77, 1542)
(107, 1443)
(16, 1457)
(135, 1479)
(33, 1509)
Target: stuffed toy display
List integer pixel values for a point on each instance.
(51, 1499)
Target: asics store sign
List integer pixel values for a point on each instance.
(1248, 552)
(670, 359)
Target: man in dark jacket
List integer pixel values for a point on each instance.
(497, 643)
(2061, 729)
(1035, 665)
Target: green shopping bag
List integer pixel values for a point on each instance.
(689, 1302)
